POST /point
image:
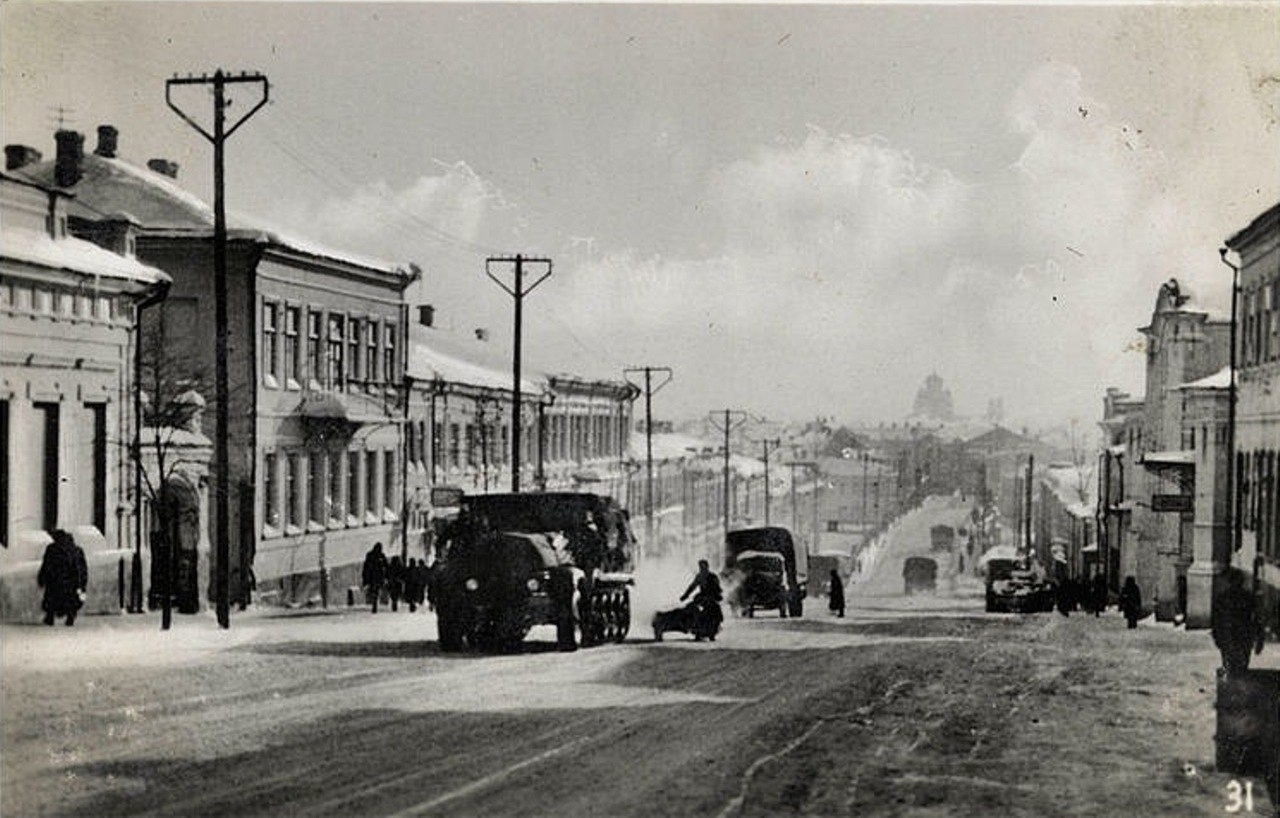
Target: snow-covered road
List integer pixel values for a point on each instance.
(908, 706)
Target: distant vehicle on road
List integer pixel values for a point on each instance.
(1012, 588)
(758, 574)
(919, 574)
(512, 561)
(761, 584)
(942, 537)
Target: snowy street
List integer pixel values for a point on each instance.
(920, 706)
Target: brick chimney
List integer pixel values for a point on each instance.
(426, 315)
(67, 167)
(19, 156)
(107, 138)
(164, 167)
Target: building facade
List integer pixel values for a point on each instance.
(1256, 470)
(315, 365)
(67, 335)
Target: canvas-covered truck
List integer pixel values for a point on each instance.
(509, 562)
(919, 574)
(745, 557)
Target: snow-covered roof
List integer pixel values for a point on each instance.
(114, 189)
(1218, 380)
(434, 356)
(671, 445)
(75, 255)
(1068, 484)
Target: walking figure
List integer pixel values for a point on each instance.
(835, 597)
(395, 581)
(64, 576)
(1131, 601)
(374, 574)
(1099, 593)
(1236, 629)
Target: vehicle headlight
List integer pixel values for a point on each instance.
(471, 584)
(533, 584)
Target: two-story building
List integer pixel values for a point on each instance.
(316, 340)
(1256, 473)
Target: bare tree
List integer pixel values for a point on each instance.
(171, 382)
(1084, 459)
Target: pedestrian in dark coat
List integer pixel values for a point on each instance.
(373, 576)
(64, 576)
(1131, 601)
(1236, 629)
(835, 596)
(395, 581)
(1099, 593)
(414, 583)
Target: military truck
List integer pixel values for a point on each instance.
(919, 574)
(512, 561)
(757, 581)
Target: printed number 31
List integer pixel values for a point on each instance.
(1239, 796)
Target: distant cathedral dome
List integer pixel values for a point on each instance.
(933, 400)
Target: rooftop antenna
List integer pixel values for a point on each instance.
(62, 115)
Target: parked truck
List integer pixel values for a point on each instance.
(512, 561)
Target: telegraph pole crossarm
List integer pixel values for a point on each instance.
(222, 486)
(517, 292)
(726, 420)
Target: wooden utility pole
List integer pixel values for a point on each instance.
(649, 391)
(732, 419)
(222, 509)
(517, 292)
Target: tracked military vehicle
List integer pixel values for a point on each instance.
(512, 561)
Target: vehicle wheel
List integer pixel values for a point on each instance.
(624, 615)
(449, 631)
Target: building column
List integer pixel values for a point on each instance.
(1206, 413)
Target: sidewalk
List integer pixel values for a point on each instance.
(136, 640)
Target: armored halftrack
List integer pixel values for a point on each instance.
(512, 561)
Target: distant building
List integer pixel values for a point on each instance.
(933, 400)
(1150, 471)
(67, 333)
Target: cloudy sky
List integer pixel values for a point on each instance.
(801, 209)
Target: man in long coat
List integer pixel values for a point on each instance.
(64, 576)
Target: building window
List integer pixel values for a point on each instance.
(271, 343)
(335, 377)
(455, 441)
(292, 317)
(471, 444)
(389, 481)
(389, 354)
(353, 488)
(336, 508)
(371, 351)
(315, 346)
(46, 491)
(315, 488)
(270, 493)
(292, 492)
(99, 412)
(353, 351)
(371, 477)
